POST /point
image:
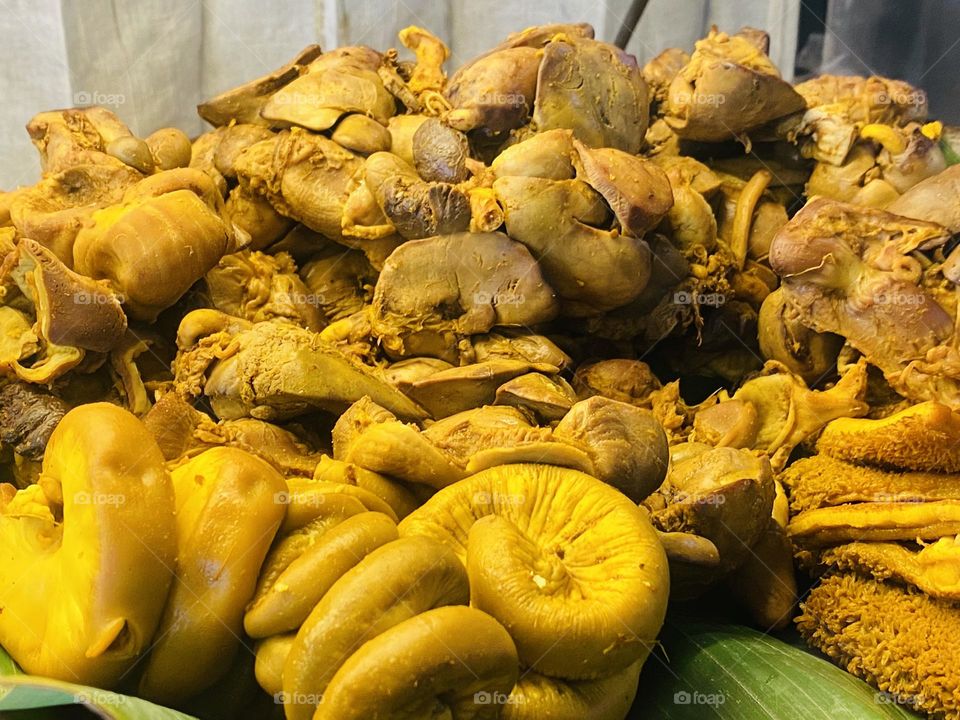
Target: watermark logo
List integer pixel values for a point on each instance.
(92, 298)
(98, 498)
(92, 696)
(889, 698)
(710, 499)
(503, 297)
(309, 499)
(485, 498)
(496, 698)
(899, 299)
(296, 298)
(685, 297)
(896, 498)
(885, 97)
(298, 698)
(698, 698)
(87, 98)
(702, 99)
(500, 98)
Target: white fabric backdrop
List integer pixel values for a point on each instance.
(153, 60)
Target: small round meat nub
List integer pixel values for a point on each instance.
(440, 153)
(170, 148)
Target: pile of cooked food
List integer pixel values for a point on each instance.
(407, 393)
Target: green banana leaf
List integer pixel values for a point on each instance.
(950, 144)
(702, 671)
(707, 671)
(34, 696)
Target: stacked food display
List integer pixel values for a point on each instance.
(407, 394)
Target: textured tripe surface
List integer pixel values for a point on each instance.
(896, 638)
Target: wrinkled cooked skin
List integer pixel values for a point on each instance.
(824, 481)
(416, 208)
(894, 637)
(259, 287)
(275, 370)
(728, 88)
(839, 106)
(433, 293)
(28, 416)
(67, 138)
(53, 211)
(165, 236)
(920, 437)
(851, 271)
(775, 412)
(304, 176)
(933, 568)
(340, 281)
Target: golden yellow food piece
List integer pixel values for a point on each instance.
(85, 561)
(875, 521)
(897, 639)
(546, 398)
(787, 411)
(392, 584)
(361, 134)
(457, 389)
(170, 148)
(153, 247)
(934, 569)
(293, 543)
(273, 370)
(307, 579)
(441, 663)
(722, 494)
(538, 697)
(569, 565)
(271, 655)
(728, 86)
(821, 480)
(922, 437)
(227, 515)
(395, 494)
(626, 445)
(308, 496)
(766, 583)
